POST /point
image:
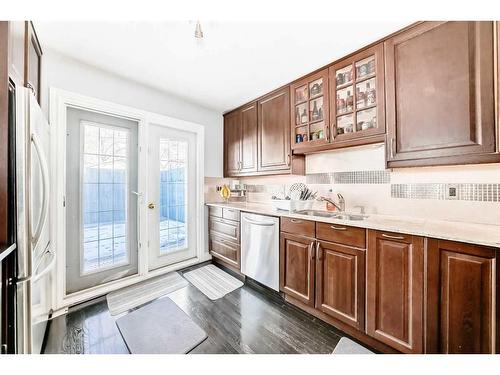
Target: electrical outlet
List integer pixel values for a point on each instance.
(451, 191)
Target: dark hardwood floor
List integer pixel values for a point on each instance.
(249, 320)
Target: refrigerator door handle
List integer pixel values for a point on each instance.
(45, 187)
(38, 275)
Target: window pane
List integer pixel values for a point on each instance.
(90, 169)
(104, 197)
(173, 175)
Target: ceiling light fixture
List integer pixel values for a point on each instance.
(197, 31)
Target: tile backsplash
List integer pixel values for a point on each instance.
(359, 174)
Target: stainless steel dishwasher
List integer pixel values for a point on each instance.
(260, 249)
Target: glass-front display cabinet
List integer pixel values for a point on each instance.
(310, 114)
(357, 97)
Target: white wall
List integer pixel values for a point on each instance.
(71, 75)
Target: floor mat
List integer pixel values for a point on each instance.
(160, 327)
(212, 281)
(347, 346)
(138, 294)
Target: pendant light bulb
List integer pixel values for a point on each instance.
(197, 32)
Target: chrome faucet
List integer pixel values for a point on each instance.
(339, 206)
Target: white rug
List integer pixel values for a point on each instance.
(138, 294)
(347, 346)
(212, 281)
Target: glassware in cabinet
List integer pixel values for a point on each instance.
(366, 93)
(301, 115)
(343, 76)
(316, 109)
(366, 119)
(301, 94)
(301, 134)
(345, 100)
(316, 88)
(365, 67)
(317, 131)
(345, 124)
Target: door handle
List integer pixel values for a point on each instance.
(311, 251)
(319, 252)
(393, 237)
(151, 206)
(259, 223)
(45, 189)
(337, 228)
(392, 148)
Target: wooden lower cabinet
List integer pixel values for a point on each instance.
(402, 293)
(297, 268)
(460, 298)
(224, 236)
(394, 300)
(340, 282)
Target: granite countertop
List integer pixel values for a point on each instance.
(480, 234)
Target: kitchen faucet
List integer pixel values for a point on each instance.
(339, 206)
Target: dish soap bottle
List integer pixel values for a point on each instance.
(225, 193)
(329, 206)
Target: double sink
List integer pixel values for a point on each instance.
(333, 215)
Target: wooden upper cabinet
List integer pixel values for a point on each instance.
(340, 282)
(440, 94)
(249, 138)
(309, 112)
(394, 300)
(232, 143)
(274, 153)
(297, 268)
(460, 298)
(357, 107)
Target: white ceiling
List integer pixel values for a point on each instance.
(234, 63)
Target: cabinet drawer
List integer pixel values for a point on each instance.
(341, 234)
(225, 250)
(215, 211)
(231, 214)
(298, 227)
(225, 228)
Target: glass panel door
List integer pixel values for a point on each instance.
(171, 196)
(310, 106)
(355, 84)
(101, 210)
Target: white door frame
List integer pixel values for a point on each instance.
(60, 101)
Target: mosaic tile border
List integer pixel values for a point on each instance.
(354, 177)
(464, 192)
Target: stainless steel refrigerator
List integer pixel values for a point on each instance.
(36, 259)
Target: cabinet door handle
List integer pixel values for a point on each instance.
(392, 148)
(319, 252)
(393, 237)
(296, 221)
(327, 131)
(288, 160)
(334, 132)
(311, 251)
(337, 228)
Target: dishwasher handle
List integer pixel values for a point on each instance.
(261, 223)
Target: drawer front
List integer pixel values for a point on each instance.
(342, 234)
(231, 214)
(298, 227)
(225, 250)
(225, 228)
(215, 211)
